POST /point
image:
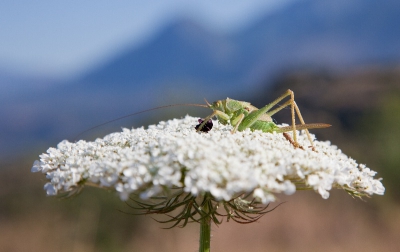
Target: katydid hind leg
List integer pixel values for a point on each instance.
(289, 138)
(294, 109)
(254, 115)
(285, 129)
(303, 123)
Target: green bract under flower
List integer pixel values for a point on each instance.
(172, 154)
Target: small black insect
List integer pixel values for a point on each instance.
(207, 127)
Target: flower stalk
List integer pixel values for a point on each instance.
(205, 227)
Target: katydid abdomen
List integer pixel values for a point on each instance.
(267, 127)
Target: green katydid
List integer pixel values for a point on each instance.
(242, 115)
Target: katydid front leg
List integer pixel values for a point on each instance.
(214, 113)
(237, 121)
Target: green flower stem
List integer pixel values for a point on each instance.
(205, 228)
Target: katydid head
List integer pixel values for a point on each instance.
(218, 105)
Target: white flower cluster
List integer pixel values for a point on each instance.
(172, 154)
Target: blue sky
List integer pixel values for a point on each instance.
(63, 38)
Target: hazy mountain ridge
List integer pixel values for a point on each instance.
(183, 50)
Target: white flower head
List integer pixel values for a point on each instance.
(152, 161)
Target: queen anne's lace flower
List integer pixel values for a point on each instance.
(172, 154)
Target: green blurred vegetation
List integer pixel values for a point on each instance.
(381, 130)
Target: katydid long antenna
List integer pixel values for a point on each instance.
(140, 112)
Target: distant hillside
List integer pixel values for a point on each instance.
(182, 51)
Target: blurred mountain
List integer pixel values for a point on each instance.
(183, 51)
(185, 63)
